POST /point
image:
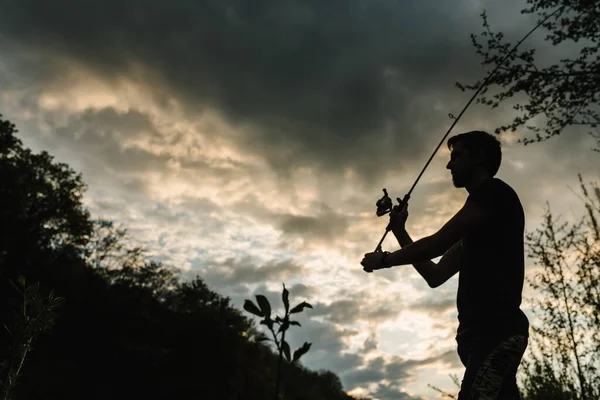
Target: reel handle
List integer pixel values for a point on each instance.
(401, 203)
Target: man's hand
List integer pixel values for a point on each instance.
(398, 218)
(373, 261)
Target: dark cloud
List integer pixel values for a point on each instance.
(451, 359)
(435, 306)
(396, 370)
(392, 392)
(399, 368)
(322, 224)
(369, 344)
(300, 290)
(372, 371)
(331, 85)
(314, 227)
(342, 311)
(355, 307)
(93, 143)
(246, 271)
(319, 83)
(98, 134)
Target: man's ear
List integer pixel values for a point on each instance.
(479, 157)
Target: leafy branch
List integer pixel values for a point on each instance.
(561, 94)
(263, 310)
(33, 316)
(445, 394)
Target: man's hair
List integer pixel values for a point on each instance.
(475, 141)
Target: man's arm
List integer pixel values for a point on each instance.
(434, 274)
(467, 220)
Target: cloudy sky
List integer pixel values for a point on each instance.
(247, 143)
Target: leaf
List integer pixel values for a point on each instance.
(55, 303)
(295, 323)
(264, 305)
(286, 350)
(251, 308)
(283, 327)
(268, 322)
(300, 307)
(285, 296)
(301, 351)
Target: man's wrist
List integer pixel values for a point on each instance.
(385, 256)
(399, 229)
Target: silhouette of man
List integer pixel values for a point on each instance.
(484, 241)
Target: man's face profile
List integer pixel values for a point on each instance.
(460, 165)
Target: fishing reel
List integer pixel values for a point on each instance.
(384, 206)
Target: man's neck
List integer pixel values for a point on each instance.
(476, 182)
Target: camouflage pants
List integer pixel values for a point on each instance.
(491, 368)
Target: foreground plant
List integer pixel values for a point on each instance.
(33, 316)
(264, 311)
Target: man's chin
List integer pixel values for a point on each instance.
(457, 184)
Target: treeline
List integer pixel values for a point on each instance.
(128, 327)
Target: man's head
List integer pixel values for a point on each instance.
(473, 154)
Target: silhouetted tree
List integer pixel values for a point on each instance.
(561, 94)
(33, 315)
(107, 247)
(43, 228)
(566, 350)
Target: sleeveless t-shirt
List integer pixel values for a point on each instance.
(491, 275)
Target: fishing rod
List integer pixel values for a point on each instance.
(384, 205)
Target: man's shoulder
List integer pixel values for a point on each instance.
(500, 187)
(505, 188)
(499, 195)
(507, 199)
(497, 182)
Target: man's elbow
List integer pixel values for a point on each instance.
(434, 280)
(439, 274)
(433, 283)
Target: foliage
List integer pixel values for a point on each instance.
(563, 94)
(565, 362)
(107, 247)
(45, 227)
(33, 316)
(443, 393)
(264, 311)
